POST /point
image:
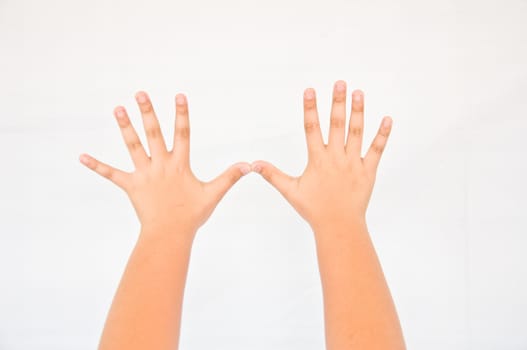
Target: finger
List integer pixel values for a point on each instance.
(118, 177)
(374, 153)
(338, 117)
(182, 130)
(221, 184)
(356, 125)
(314, 140)
(156, 143)
(133, 143)
(278, 179)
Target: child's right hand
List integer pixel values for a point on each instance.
(337, 183)
(163, 190)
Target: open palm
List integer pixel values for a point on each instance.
(337, 182)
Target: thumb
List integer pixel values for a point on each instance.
(221, 184)
(277, 178)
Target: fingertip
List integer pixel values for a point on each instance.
(309, 93)
(141, 96)
(257, 166)
(244, 167)
(387, 122)
(181, 99)
(119, 111)
(357, 94)
(340, 85)
(84, 159)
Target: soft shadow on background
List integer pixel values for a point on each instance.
(447, 214)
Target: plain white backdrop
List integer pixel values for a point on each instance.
(447, 215)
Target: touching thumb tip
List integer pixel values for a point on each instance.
(245, 169)
(256, 167)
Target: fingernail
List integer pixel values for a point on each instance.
(257, 168)
(340, 86)
(180, 99)
(84, 159)
(141, 97)
(245, 169)
(356, 97)
(387, 122)
(309, 94)
(119, 112)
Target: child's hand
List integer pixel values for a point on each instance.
(163, 190)
(337, 182)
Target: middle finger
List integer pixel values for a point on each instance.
(338, 117)
(156, 143)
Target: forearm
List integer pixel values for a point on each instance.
(358, 307)
(146, 310)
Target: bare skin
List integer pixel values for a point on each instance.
(171, 204)
(332, 195)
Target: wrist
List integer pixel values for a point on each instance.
(336, 231)
(337, 225)
(168, 232)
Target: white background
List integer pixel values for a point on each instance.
(447, 215)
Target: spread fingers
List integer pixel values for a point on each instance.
(156, 143)
(133, 143)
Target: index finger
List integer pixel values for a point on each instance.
(314, 140)
(373, 156)
(133, 143)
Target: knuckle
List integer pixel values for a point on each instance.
(311, 126)
(123, 122)
(310, 104)
(233, 176)
(181, 109)
(339, 98)
(146, 107)
(337, 123)
(183, 132)
(133, 145)
(357, 106)
(315, 162)
(378, 148)
(153, 132)
(92, 163)
(180, 167)
(355, 130)
(105, 171)
(384, 133)
(267, 174)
